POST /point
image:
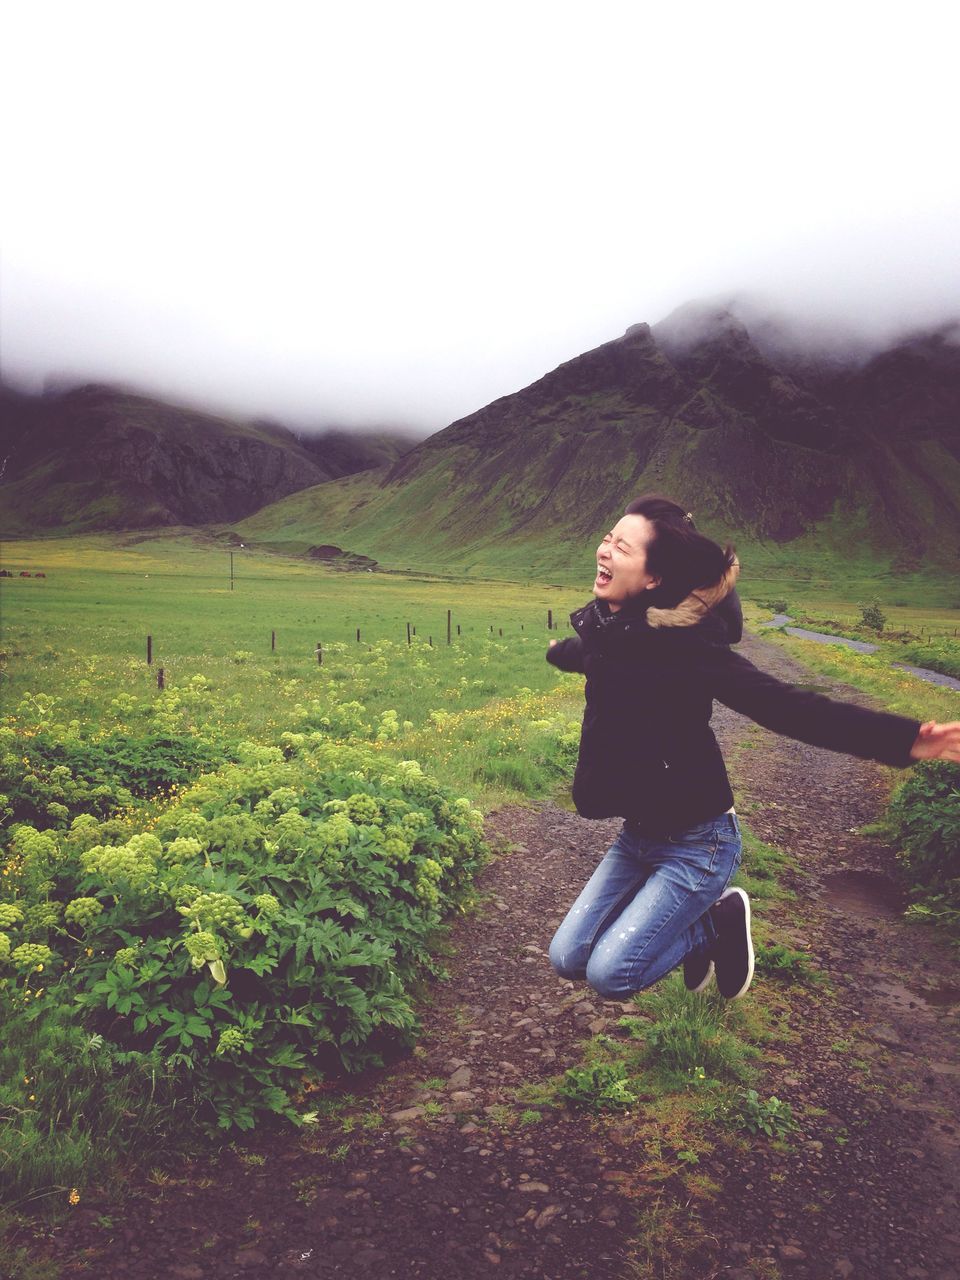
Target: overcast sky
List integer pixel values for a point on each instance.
(396, 212)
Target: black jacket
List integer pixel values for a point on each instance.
(647, 752)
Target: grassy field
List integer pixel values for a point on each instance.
(80, 633)
(179, 589)
(895, 690)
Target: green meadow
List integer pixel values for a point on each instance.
(112, 593)
(79, 635)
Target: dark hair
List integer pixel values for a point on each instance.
(677, 554)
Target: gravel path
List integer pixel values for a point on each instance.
(438, 1177)
(884, 1201)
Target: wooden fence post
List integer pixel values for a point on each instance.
(549, 619)
(408, 633)
(319, 652)
(448, 626)
(273, 642)
(160, 678)
(149, 650)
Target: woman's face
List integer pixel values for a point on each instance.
(622, 562)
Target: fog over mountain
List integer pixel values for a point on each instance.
(388, 216)
(834, 336)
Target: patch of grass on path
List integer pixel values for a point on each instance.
(760, 869)
(20, 1261)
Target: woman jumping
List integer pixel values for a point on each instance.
(654, 646)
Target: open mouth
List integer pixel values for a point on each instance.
(603, 575)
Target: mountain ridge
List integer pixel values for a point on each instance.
(866, 446)
(99, 457)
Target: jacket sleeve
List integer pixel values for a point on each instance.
(809, 717)
(567, 654)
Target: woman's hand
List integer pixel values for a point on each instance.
(937, 742)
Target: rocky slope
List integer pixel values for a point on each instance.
(763, 440)
(97, 457)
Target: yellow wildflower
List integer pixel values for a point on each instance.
(74, 1196)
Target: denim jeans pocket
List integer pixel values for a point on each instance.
(698, 846)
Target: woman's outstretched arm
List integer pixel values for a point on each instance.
(810, 717)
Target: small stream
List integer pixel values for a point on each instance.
(861, 646)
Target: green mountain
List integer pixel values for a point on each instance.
(816, 457)
(100, 458)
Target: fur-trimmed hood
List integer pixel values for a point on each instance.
(698, 604)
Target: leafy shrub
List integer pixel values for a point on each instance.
(872, 616)
(925, 815)
(772, 1118)
(605, 1087)
(266, 929)
(338, 719)
(54, 775)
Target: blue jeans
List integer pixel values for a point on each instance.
(645, 907)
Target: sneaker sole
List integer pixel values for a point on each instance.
(705, 982)
(750, 957)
